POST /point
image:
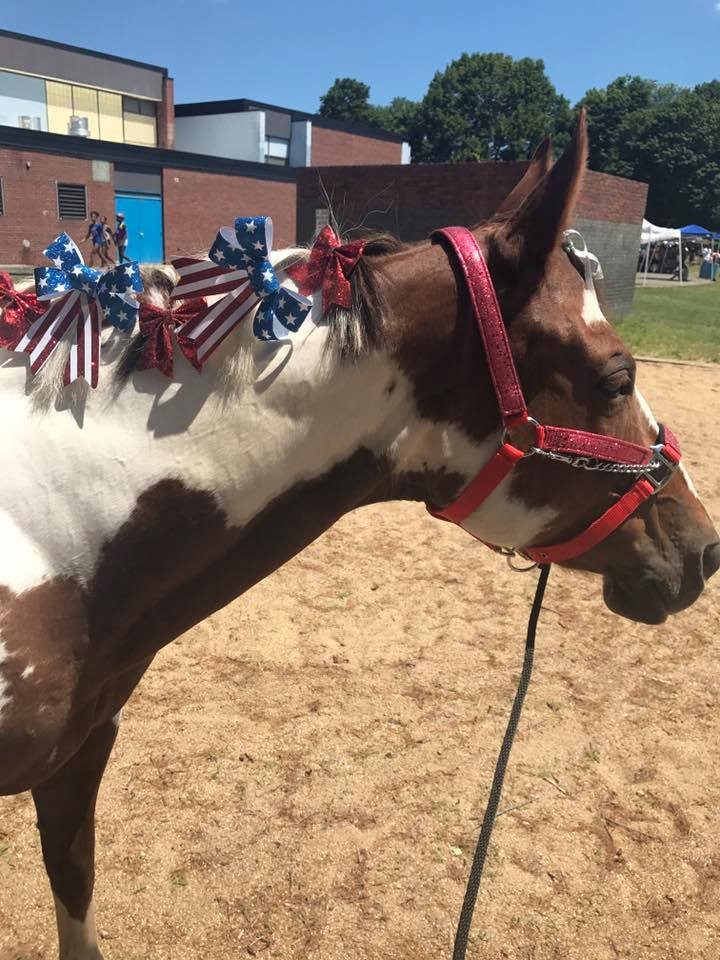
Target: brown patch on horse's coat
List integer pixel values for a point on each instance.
(44, 632)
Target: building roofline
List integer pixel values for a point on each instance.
(205, 108)
(73, 49)
(127, 154)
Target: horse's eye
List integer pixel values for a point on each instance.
(618, 384)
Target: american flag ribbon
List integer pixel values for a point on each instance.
(239, 270)
(78, 295)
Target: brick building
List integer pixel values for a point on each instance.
(82, 131)
(412, 201)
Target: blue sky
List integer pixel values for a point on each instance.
(290, 52)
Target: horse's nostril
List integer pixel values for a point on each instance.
(711, 560)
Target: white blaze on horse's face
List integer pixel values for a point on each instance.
(591, 312)
(647, 412)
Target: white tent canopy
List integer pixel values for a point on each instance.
(652, 234)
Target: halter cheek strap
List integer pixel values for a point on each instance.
(578, 448)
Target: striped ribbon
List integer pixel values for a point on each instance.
(48, 330)
(239, 270)
(202, 278)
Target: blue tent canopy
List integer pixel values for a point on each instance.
(693, 230)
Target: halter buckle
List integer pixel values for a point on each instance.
(527, 445)
(668, 466)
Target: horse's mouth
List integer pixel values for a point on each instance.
(645, 601)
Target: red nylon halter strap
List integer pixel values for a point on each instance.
(511, 404)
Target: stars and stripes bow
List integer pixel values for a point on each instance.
(82, 296)
(158, 326)
(19, 310)
(329, 267)
(239, 267)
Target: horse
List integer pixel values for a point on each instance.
(130, 513)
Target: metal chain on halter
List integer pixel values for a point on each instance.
(478, 864)
(587, 463)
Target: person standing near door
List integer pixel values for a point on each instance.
(94, 235)
(121, 237)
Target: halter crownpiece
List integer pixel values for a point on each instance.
(524, 437)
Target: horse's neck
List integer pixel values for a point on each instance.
(255, 428)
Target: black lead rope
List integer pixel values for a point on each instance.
(478, 864)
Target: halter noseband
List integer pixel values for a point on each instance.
(653, 466)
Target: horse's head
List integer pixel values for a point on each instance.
(575, 372)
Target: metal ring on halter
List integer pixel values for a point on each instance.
(532, 446)
(510, 555)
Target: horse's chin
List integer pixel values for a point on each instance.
(642, 601)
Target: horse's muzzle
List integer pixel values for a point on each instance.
(651, 597)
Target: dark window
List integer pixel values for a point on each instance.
(2, 199)
(145, 108)
(72, 201)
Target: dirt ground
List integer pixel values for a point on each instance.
(302, 775)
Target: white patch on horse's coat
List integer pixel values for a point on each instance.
(645, 407)
(78, 938)
(22, 564)
(116, 719)
(591, 312)
(503, 520)
(5, 698)
(69, 486)
(28, 671)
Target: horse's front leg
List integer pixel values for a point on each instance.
(65, 807)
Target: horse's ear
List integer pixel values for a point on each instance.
(532, 232)
(539, 166)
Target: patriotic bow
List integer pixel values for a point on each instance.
(18, 313)
(239, 267)
(157, 325)
(79, 295)
(329, 266)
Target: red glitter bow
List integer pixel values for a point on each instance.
(329, 267)
(18, 314)
(157, 325)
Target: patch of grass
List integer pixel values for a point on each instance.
(678, 322)
(179, 878)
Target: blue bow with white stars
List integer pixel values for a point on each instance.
(247, 247)
(113, 290)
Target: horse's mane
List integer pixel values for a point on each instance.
(352, 332)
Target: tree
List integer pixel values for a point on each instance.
(347, 99)
(488, 106)
(665, 135)
(399, 116)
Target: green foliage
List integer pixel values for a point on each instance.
(674, 321)
(487, 106)
(401, 116)
(347, 99)
(665, 135)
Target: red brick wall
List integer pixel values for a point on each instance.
(411, 200)
(196, 204)
(31, 203)
(337, 148)
(605, 197)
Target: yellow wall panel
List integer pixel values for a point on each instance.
(85, 104)
(111, 116)
(59, 106)
(140, 129)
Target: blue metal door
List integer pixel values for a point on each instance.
(143, 216)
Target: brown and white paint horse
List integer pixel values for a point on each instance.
(131, 514)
